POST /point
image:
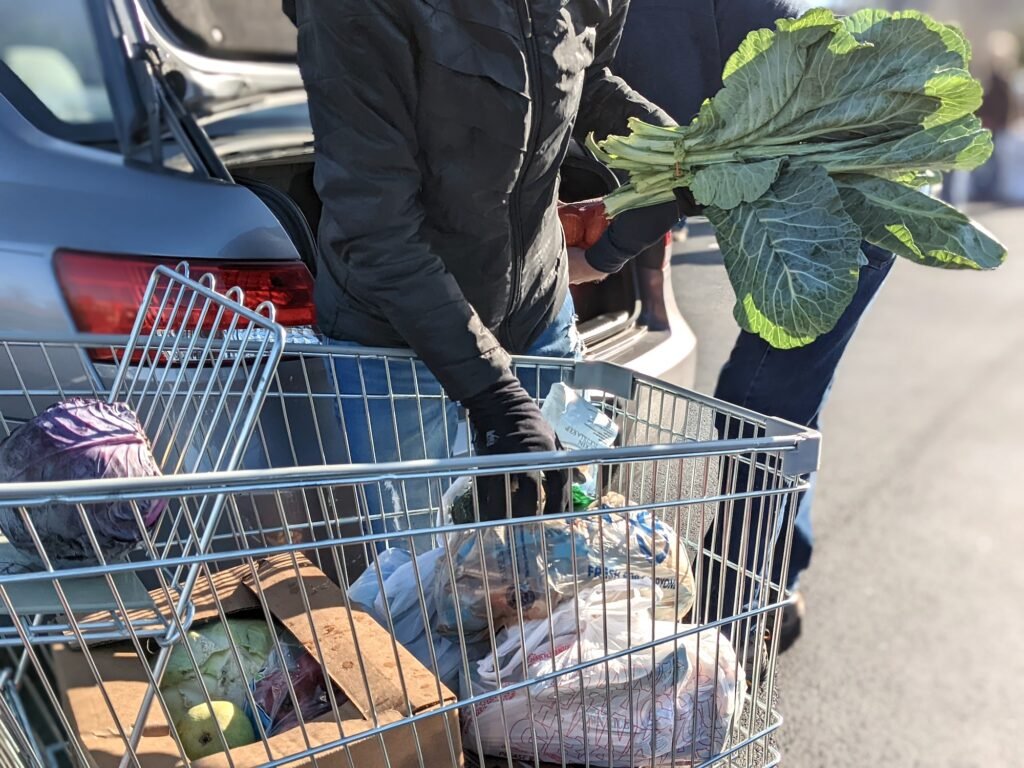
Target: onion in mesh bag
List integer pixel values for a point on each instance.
(78, 439)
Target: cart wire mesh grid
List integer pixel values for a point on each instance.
(380, 616)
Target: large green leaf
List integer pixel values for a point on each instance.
(759, 79)
(726, 185)
(901, 72)
(872, 25)
(961, 145)
(816, 77)
(916, 226)
(792, 257)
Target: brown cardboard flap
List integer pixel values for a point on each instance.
(321, 731)
(226, 585)
(359, 655)
(124, 685)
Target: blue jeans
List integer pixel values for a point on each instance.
(794, 385)
(394, 409)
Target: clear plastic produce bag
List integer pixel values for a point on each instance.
(505, 573)
(501, 570)
(275, 708)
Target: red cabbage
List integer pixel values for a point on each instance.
(79, 439)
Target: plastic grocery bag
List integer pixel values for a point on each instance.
(505, 573)
(638, 545)
(275, 708)
(579, 425)
(365, 590)
(572, 555)
(674, 701)
(401, 599)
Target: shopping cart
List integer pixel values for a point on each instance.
(599, 635)
(194, 371)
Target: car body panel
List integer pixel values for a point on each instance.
(56, 194)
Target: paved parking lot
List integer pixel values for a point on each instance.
(912, 647)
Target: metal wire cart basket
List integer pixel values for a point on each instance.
(323, 587)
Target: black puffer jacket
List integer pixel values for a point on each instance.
(440, 126)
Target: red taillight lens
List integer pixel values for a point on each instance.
(104, 291)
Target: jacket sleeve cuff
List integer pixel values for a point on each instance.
(462, 381)
(629, 234)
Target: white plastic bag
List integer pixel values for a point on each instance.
(675, 700)
(579, 425)
(401, 599)
(638, 545)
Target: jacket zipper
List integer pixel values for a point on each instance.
(533, 89)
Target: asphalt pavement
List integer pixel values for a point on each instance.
(912, 646)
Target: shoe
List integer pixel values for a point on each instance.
(755, 658)
(792, 622)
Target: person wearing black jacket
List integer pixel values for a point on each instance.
(439, 127)
(693, 39)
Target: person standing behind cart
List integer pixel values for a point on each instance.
(674, 51)
(439, 131)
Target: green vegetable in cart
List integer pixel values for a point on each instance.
(823, 136)
(198, 729)
(182, 688)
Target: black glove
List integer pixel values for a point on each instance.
(687, 205)
(505, 419)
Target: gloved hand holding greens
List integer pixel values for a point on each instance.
(822, 136)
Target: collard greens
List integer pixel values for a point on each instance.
(822, 137)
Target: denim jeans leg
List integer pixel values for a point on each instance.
(561, 340)
(793, 385)
(394, 410)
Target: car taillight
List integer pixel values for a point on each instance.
(103, 291)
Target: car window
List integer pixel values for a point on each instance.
(49, 46)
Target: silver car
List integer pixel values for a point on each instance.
(138, 132)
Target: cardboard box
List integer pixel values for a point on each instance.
(381, 680)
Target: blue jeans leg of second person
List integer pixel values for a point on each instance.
(395, 411)
(793, 385)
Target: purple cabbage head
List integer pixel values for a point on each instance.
(78, 439)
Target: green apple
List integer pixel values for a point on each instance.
(198, 729)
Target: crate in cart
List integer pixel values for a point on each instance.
(637, 630)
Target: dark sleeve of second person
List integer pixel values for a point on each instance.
(674, 51)
(357, 65)
(607, 103)
(738, 18)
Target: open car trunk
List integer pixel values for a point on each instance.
(285, 183)
(233, 51)
(246, 30)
